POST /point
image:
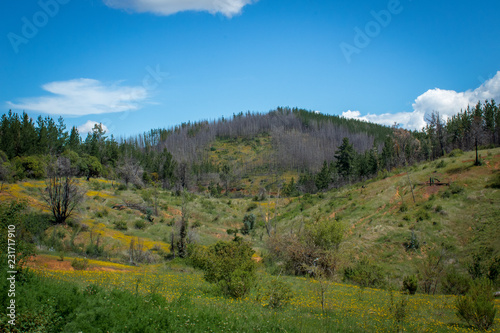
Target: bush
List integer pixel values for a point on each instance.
(455, 283)
(495, 182)
(441, 164)
(422, 215)
(140, 224)
(30, 167)
(494, 270)
(121, 225)
(398, 309)
(365, 274)
(456, 153)
(276, 295)
(251, 207)
(453, 189)
(248, 223)
(477, 307)
(80, 264)
(413, 243)
(410, 284)
(230, 266)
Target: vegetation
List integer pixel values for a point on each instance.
(249, 215)
(477, 307)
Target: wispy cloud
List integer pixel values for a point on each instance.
(228, 8)
(88, 126)
(446, 102)
(81, 97)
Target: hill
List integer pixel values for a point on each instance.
(379, 215)
(386, 234)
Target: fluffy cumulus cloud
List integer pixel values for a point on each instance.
(167, 7)
(88, 126)
(413, 120)
(446, 102)
(83, 97)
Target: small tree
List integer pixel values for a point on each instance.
(182, 244)
(61, 194)
(131, 172)
(230, 266)
(410, 284)
(248, 223)
(477, 307)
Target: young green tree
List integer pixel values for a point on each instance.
(230, 266)
(323, 178)
(345, 156)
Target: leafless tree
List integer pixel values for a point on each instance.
(62, 194)
(131, 171)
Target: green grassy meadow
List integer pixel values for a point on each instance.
(380, 216)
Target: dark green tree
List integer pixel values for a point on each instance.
(323, 178)
(345, 156)
(74, 140)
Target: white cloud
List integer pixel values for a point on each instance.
(83, 97)
(412, 120)
(167, 7)
(446, 102)
(88, 126)
(449, 102)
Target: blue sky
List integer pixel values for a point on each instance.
(140, 64)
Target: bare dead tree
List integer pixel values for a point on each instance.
(62, 194)
(182, 244)
(131, 172)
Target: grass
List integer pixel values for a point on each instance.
(347, 308)
(461, 219)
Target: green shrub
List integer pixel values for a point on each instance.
(422, 215)
(456, 153)
(410, 284)
(477, 307)
(230, 266)
(276, 295)
(139, 224)
(365, 274)
(30, 167)
(494, 270)
(441, 164)
(398, 310)
(121, 225)
(413, 243)
(403, 208)
(248, 223)
(122, 187)
(80, 264)
(455, 283)
(102, 213)
(251, 207)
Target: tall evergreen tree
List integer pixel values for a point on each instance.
(323, 177)
(345, 156)
(74, 140)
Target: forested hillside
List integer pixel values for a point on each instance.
(228, 155)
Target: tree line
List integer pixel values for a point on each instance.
(325, 151)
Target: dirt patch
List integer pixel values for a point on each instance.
(430, 190)
(50, 263)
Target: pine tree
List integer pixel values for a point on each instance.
(323, 177)
(345, 156)
(74, 140)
